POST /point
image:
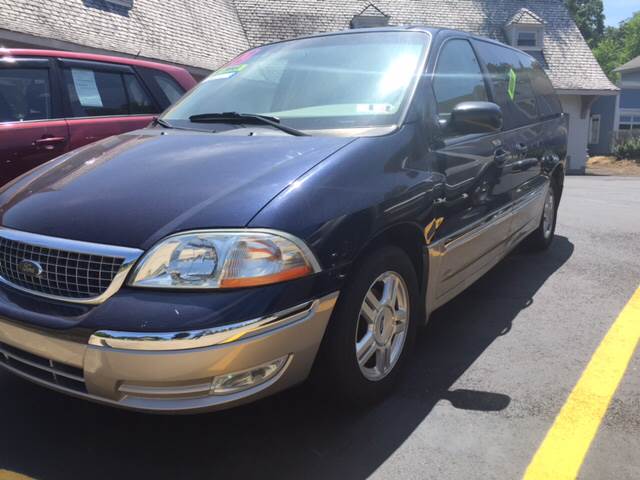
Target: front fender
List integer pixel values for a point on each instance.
(345, 202)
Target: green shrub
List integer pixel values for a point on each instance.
(628, 149)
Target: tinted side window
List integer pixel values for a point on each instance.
(548, 102)
(25, 94)
(511, 86)
(165, 89)
(458, 77)
(525, 97)
(99, 93)
(170, 88)
(139, 100)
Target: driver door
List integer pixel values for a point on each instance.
(475, 205)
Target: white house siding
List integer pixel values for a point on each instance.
(578, 133)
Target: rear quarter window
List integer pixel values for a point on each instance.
(169, 87)
(164, 87)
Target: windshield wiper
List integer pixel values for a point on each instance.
(235, 117)
(164, 123)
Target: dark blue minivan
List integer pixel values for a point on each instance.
(299, 213)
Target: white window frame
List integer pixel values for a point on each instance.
(633, 113)
(596, 140)
(514, 31)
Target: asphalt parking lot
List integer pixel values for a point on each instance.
(487, 379)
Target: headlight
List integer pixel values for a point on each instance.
(224, 259)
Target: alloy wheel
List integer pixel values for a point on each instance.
(548, 214)
(382, 326)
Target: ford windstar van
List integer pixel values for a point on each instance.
(299, 213)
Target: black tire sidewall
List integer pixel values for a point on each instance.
(537, 241)
(337, 360)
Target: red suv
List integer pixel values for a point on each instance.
(52, 102)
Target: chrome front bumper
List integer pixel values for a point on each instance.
(171, 372)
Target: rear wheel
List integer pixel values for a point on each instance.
(541, 238)
(372, 328)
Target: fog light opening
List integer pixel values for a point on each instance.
(246, 379)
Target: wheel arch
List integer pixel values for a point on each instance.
(409, 237)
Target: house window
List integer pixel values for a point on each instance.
(594, 130)
(527, 39)
(629, 122)
(121, 3)
(369, 21)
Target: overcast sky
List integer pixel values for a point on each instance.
(618, 10)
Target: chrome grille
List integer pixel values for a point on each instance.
(33, 366)
(64, 274)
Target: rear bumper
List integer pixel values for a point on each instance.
(170, 373)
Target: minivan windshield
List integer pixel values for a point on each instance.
(325, 84)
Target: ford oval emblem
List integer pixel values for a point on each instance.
(30, 268)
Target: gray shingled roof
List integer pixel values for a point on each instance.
(200, 33)
(524, 16)
(630, 65)
(569, 61)
(207, 33)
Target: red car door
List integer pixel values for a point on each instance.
(32, 130)
(88, 130)
(103, 99)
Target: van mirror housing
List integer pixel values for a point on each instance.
(475, 117)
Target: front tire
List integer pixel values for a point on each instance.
(372, 328)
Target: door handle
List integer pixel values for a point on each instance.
(522, 165)
(451, 203)
(521, 148)
(50, 140)
(500, 157)
(49, 143)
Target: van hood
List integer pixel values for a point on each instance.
(133, 189)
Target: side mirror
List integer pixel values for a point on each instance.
(475, 117)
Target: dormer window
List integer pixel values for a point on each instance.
(527, 39)
(121, 3)
(525, 30)
(370, 17)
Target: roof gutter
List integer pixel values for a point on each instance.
(562, 91)
(626, 69)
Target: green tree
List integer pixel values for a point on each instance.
(589, 16)
(630, 33)
(618, 45)
(609, 54)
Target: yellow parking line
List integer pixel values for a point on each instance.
(7, 475)
(563, 450)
